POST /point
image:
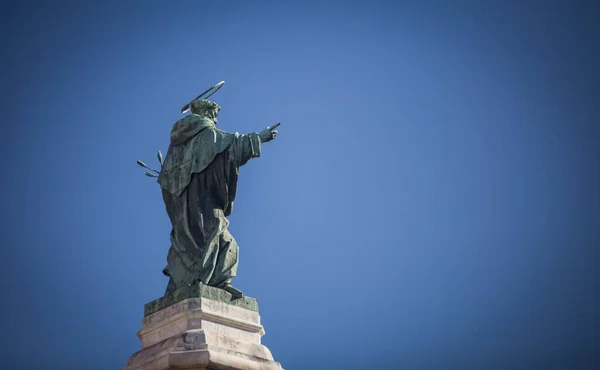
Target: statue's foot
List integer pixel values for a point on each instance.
(235, 293)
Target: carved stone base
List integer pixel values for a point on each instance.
(201, 333)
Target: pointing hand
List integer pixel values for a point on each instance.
(269, 133)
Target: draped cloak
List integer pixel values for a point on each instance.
(199, 181)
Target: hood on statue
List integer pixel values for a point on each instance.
(204, 114)
(188, 127)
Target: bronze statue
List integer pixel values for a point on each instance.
(198, 179)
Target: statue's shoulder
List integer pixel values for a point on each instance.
(221, 132)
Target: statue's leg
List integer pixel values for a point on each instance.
(181, 259)
(197, 241)
(205, 267)
(181, 268)
(227, 264)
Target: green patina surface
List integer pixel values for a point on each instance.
(198, 180)
(199, 291)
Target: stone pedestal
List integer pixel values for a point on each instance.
(200, 329)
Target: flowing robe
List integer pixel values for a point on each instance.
(199, 182)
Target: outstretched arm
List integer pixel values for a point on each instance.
(246, 147)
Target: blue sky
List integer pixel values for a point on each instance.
(431, 201)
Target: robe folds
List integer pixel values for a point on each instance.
(199, 181)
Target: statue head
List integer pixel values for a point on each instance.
(206, 108)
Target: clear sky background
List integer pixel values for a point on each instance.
(431, 202)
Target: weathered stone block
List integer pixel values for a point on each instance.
(204, 329)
